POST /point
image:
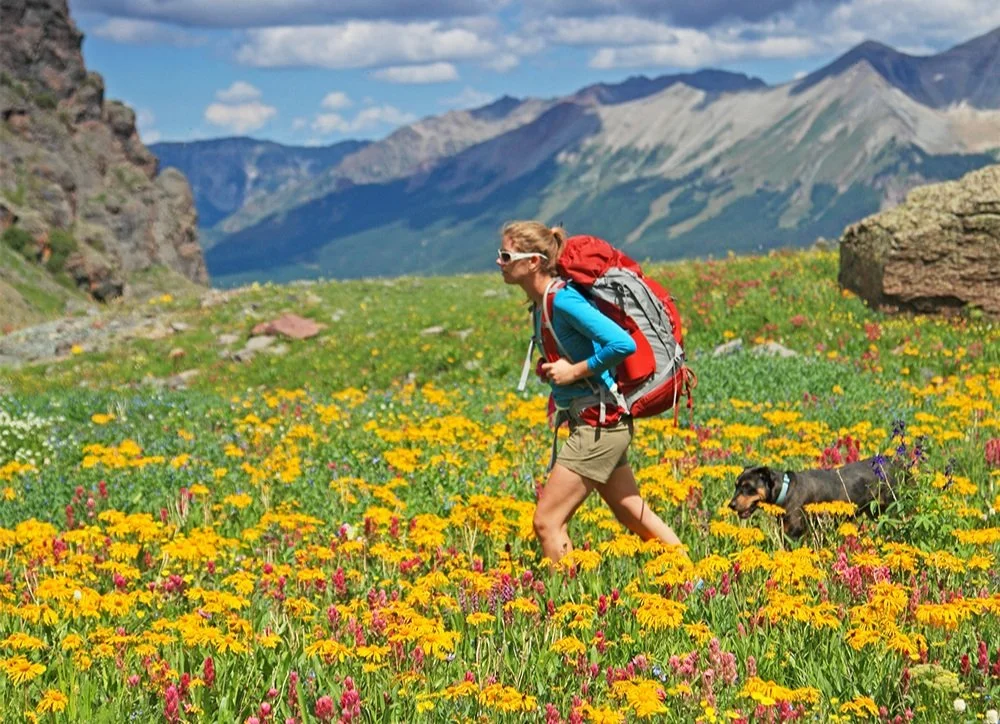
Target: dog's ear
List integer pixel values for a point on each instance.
(749, 472)
(772, 479)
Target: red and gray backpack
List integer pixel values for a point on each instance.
(652, 379)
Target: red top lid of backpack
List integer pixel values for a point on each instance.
(585, 258)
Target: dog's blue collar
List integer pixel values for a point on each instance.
(784, 491)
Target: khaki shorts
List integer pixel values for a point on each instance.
(596, 452)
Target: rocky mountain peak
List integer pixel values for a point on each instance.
(499, 108)
(968, 73)
(76, 182)
(41, 46)
(640, 86)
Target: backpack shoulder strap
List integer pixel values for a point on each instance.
(548, 307)
(526, 368)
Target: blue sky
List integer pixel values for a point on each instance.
(320, 71)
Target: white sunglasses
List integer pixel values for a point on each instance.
(506, 257)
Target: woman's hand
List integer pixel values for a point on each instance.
(564, 372)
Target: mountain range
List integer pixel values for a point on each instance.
(667, 167)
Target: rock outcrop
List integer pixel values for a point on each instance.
(938, 251)
(72, 165)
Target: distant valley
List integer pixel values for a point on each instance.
(669, 167)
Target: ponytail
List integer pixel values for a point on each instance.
(534, 236)
(559, 235)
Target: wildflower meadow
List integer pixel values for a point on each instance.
(342, 531)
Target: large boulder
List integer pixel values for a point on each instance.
(938, 251)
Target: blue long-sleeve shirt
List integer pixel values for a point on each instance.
(586, 334)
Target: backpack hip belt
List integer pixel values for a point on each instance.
(574, 414)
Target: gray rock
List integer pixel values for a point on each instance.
(227, 339)
(10, 361)
(436, 329)
(774, 349)
(157, 382)
(158, 331)
(215, 297)
(730, 347)
(255, 344)
(181, 380)
(939, 250)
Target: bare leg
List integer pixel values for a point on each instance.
(622, 496)
(563, 493)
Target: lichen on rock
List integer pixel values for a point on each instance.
(937, 251)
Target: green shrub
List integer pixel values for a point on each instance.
(18, 239)
(62, 244)
(16, 196)
(46, 100)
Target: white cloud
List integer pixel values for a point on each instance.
(335, 100)
(385, 115)
(367, 118)
(430, 73)
(468, 98)
(359, 44)
(145, 32)
(504, 62)
(629, 42)
(681, 13)
(915, 24)
(515, 47)
(240, 118)
(800, 74)
(144, 118)
(261, 13)
(524, 44)
(606, 31)
(632, 39)
(145, 122)
(239, 92)
(695, 49)
(327, 123)
(299, 123)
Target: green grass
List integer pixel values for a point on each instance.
(791, 298)
(278, 430)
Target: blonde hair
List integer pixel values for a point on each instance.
(536, 237)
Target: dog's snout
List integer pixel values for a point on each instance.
(732, 504)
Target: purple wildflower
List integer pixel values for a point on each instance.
(878, 465)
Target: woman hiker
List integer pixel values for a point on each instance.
(594, 456)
